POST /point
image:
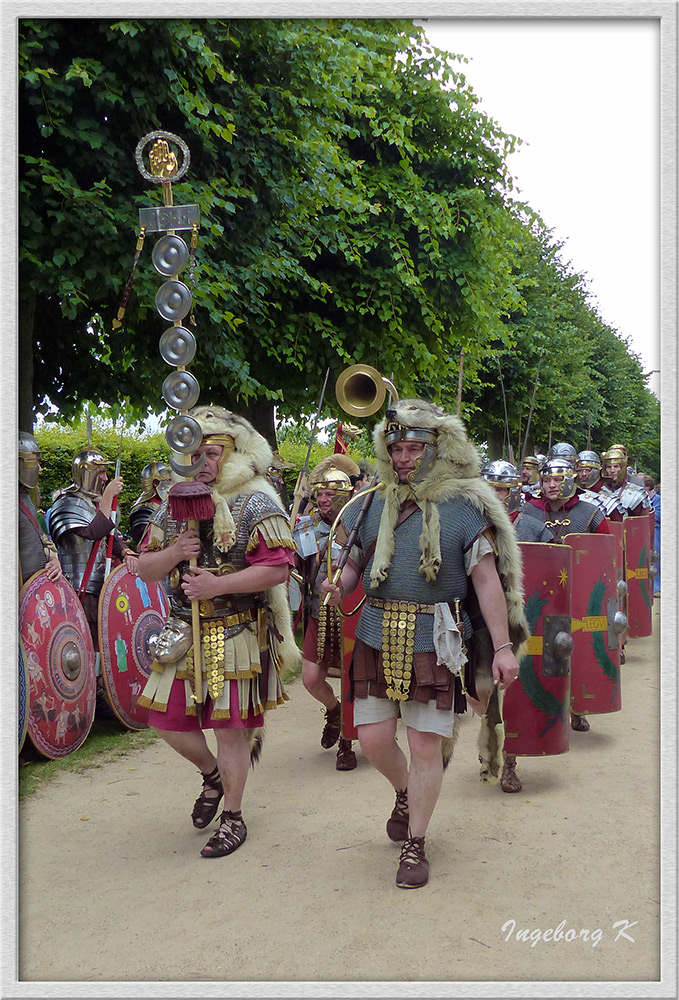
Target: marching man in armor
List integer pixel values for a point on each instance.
(156, 479)
(36, 551)
(561, 510)
(331, 484)
(632, 499)
(504, 478)
(530, 474)
(244, 555)
(432, 534)
(80, 518)
(559, 507)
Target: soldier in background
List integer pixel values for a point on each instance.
(36, 551)
(504, 478)
(156, 479)
(332, 483)
(632, 499)
(530, 473)
(564, 512)
(80, 519)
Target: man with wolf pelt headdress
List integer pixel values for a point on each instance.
(244, 556)
(440, 561)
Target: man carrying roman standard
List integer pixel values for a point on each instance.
(244, 555)
(436, 532)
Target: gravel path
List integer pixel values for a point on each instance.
(112, 889)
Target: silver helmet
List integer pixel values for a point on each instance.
(563, 469)
(504, 478)
(588, 469)
(29, 460)
(562, 449)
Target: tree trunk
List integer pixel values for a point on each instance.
(26, 326)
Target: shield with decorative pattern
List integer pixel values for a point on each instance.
(23, 695)
(638, 549)
(60, 662)
(131, 616)
(597, 625)
(535, 707)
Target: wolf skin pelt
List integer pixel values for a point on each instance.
(455, 473)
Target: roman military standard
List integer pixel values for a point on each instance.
(223, 541)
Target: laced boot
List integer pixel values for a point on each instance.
(510, 781)
(397, 824)
(413, 869)
(331, 730)
(228, 838)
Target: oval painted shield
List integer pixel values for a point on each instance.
(131, 616)
(536, 706)
(23, 695)
(60, 661)
(639, 585)
(595, 681)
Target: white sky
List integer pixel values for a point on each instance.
(584, 97)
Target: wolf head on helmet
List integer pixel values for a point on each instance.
(246, 453)
(446, 450)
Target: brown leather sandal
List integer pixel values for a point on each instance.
(206, 806)
(228, 838)
(510, 781)
(579, 723)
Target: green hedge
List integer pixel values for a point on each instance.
(60, 442)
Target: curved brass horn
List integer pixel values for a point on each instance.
(361, 390)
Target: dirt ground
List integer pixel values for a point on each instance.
(112, 889)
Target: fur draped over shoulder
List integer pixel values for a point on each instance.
(455, 473)
(244, 471)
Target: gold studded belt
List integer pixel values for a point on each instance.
(207, 609)
(398, 642)
(404, 607)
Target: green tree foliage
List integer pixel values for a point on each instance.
(355, 206)
(350, 210)
(588, 384)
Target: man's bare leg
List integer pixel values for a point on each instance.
(425, 778)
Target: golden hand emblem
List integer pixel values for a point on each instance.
(162, 160)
